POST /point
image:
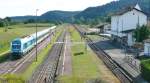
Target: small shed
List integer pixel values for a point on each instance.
(147, 47)
(103, 28)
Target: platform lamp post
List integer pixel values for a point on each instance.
(36, 32)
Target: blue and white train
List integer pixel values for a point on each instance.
(21, 46)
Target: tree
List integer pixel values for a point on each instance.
(2, 24)
(141, 33)
(108, 19)
(7, 22)
(30, 21)
(8, 19)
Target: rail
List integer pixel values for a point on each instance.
(120, 73)
(47, 71)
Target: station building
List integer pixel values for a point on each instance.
(124, 23)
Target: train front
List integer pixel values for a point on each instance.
(16, 47)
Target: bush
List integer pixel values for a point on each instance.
(141, 33)
(145, 69)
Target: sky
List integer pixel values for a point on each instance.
(28, 7)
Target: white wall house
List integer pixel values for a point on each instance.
(147, 47)
(125, 22)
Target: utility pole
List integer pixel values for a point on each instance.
(86, 43)
(36, 34)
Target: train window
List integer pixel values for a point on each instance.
(25, 45)
(16, 46)
(33, 40)
(13, 46)
(30, 43)
(16, 42)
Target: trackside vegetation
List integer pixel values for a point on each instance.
(11, 78)
(86, 67)
(24, 76)
(14, 31)
(145, 68)
(141, 33)
(41, 57)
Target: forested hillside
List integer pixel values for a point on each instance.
(89, 15)
(108, 9)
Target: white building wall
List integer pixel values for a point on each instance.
(147, 49)
(128, 21)
(130, 39)
(114, 21)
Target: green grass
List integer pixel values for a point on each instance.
(84, 64)
(11, 78)
(145, 67)
(41, 57)
(33, 66)
(16, 31)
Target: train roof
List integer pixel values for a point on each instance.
(30, 37)
(43, 31)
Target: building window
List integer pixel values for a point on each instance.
(133, 14)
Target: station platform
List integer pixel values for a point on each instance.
(125, 60)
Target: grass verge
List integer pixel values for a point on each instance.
(84, 65)
(15, 31)
(41, 57)
(29, 71)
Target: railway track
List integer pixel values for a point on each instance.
(118, 71)
(47, 71)
(14, 66)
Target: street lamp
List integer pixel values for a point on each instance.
(36, 33)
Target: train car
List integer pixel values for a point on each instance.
(21, 46)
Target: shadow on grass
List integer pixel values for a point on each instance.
(142, 58)
(96, 80)
(10, 28)
(15, 57)
(8, 57)
(4, 58)
(79, 53)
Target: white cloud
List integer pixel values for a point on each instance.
(28, 7)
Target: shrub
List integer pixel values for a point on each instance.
(141, 33)
(145, 69)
